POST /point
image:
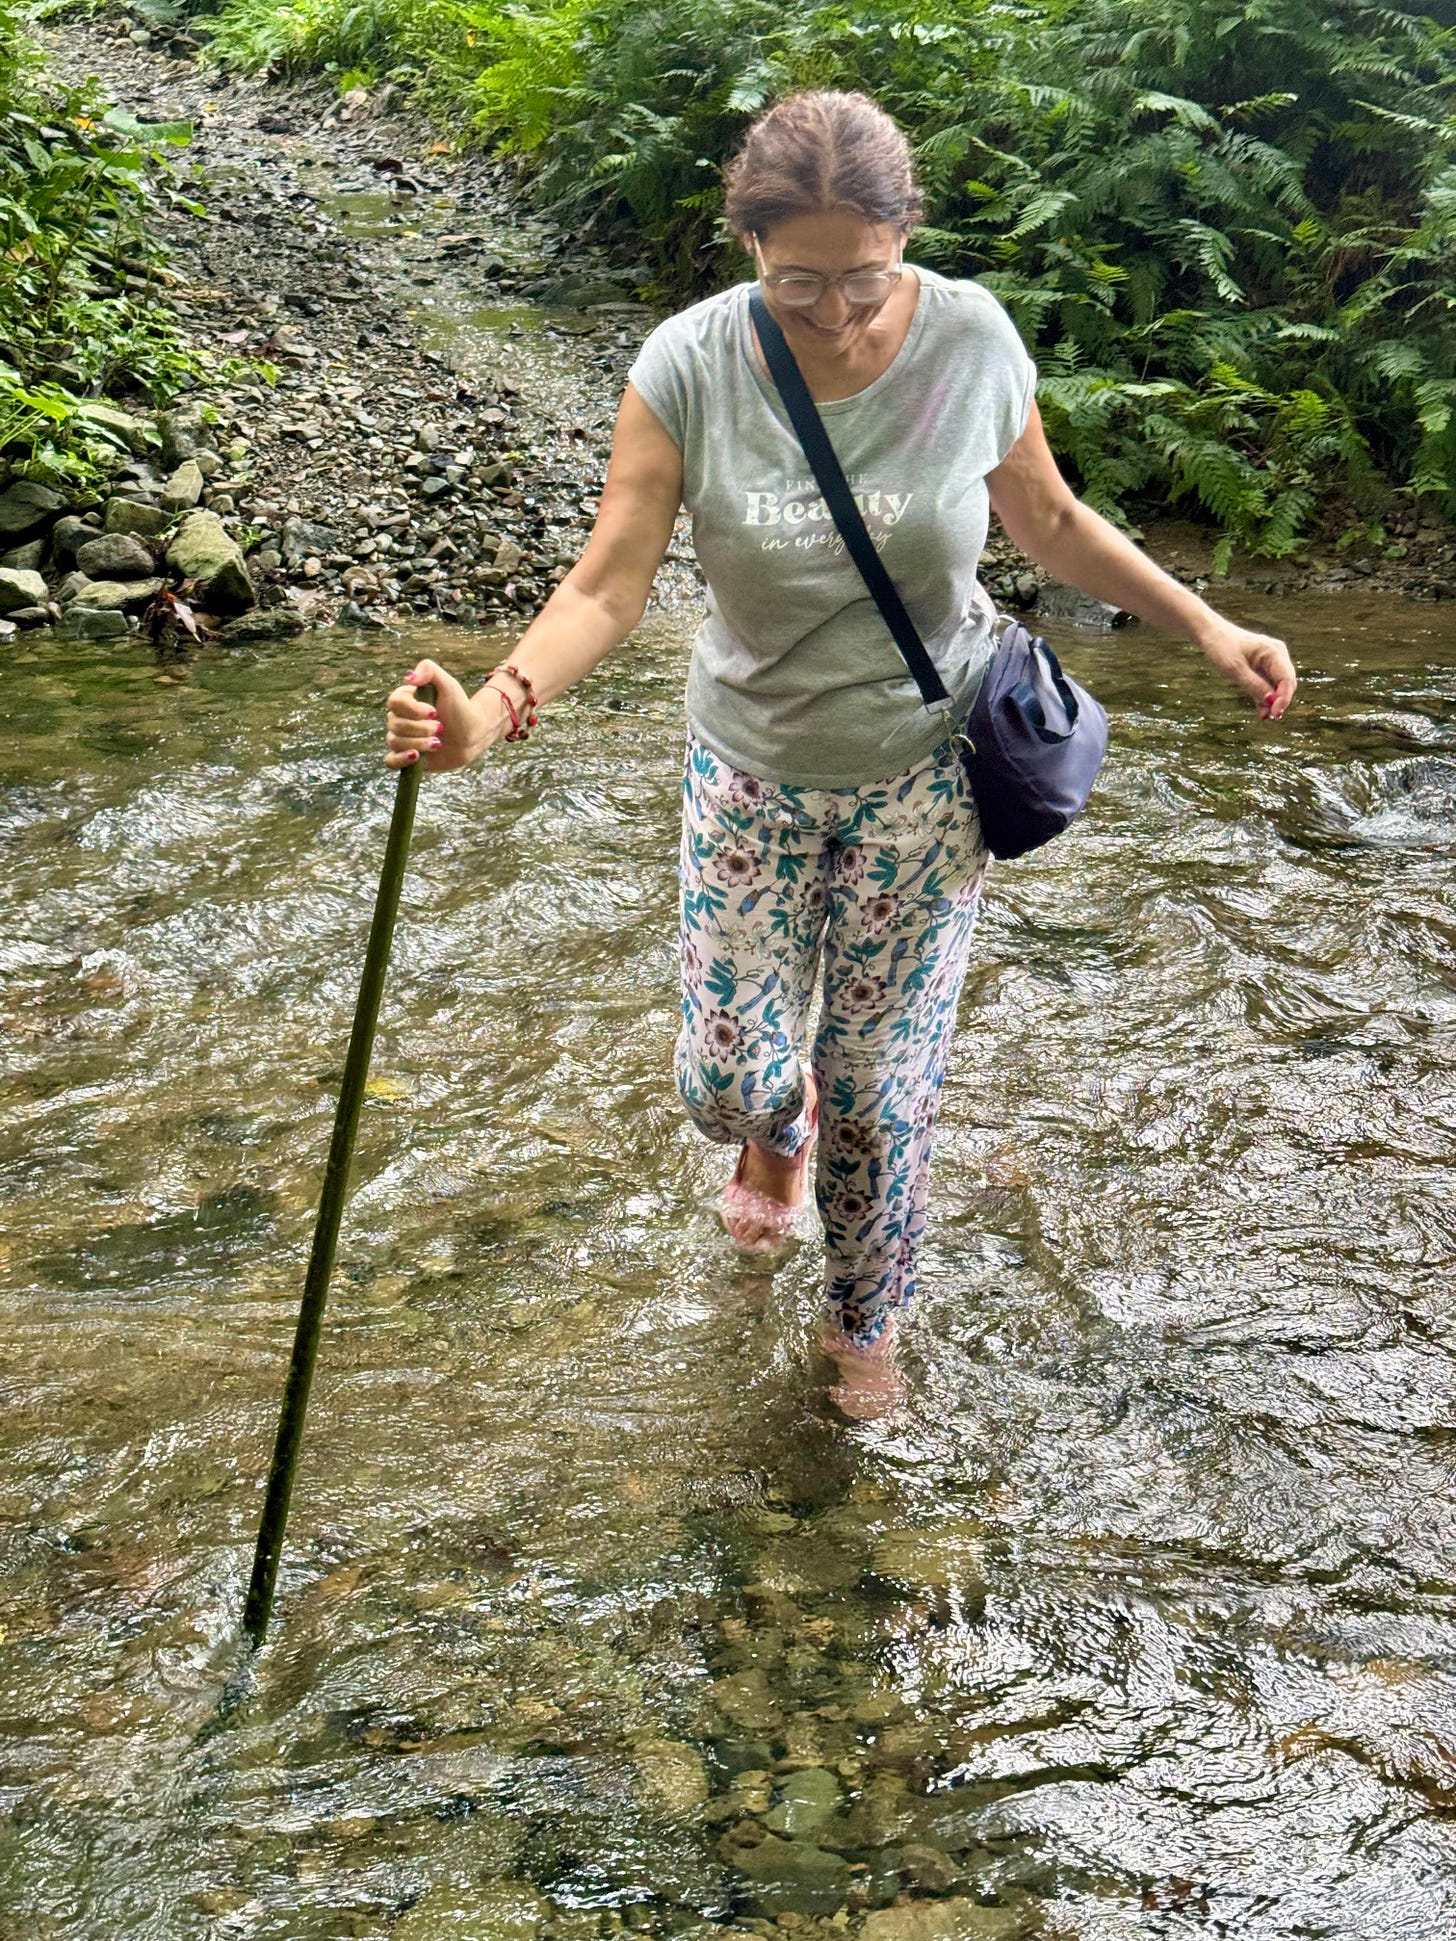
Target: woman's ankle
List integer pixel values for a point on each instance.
(774, 1174)
(844, 1346)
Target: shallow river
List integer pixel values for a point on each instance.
(1140, 1619)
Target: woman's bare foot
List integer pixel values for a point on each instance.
(766, 1187)
(870, 1384)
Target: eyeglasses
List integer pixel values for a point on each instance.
(798, 289)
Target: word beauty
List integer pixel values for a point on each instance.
(773, 508)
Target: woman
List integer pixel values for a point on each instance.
(826, 826)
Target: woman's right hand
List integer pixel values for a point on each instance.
(443, 734)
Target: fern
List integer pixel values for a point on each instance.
(1227, 228)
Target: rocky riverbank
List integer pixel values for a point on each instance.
(423, 415)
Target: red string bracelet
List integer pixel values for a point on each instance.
(528, 693)
(515, 731)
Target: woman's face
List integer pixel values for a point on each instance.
(828, 245)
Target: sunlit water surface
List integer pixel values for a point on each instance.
(1140, 1620)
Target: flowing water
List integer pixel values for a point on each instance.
(1139, 1620)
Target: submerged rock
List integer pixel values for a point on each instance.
(744, 1697)
(958, 1920)
(497, 1910)
(806, 1801)
(789, 1876)
(671, 1776)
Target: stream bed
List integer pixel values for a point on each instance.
(1140, 1619)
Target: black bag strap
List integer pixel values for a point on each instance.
(804, 416)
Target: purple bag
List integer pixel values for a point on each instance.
(1031, 745)
(1034, 739)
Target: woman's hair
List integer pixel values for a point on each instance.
(818, 151)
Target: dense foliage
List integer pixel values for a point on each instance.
(1227, 228)
(79, 319)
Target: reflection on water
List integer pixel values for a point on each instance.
(1142, 1620)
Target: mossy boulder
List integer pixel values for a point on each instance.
(203, 554)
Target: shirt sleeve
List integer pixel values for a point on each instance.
(660, 378)
(1016, 377)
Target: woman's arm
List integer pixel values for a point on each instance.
(1045, 518)
(592, 611)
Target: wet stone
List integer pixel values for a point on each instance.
(953, 1920)
(929, 1868)
(351, 614)
(738, 1756)
(670, 1776)
(498, 1910)
(790, 1875)
(1055, 601)
(273, 623)
(92, 623)
(806, 1801)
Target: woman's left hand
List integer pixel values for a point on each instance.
(1258, 663)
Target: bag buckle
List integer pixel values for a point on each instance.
(955, 734)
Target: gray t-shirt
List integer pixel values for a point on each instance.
(795, 677)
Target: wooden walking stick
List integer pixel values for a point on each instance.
(331, 1203)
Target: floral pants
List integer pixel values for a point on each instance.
(881, 885)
